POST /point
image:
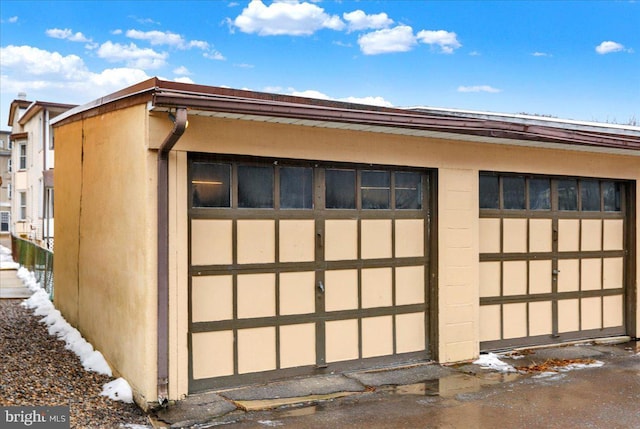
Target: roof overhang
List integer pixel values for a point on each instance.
(163, 96)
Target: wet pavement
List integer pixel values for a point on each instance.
(589, 385)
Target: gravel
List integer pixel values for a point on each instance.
(36, 370)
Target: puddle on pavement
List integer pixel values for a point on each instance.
(301, 411)
(452, 385)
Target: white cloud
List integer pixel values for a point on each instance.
(182, 70)
(541, 54)
(609, 47)
(358, 20)
(200, 44)
(397, 39)
(285, 18)
(58, 78)
(166, 38)
(478, 88)
(58, 33)
(446, 40)
(374, 101)
(28, 60)
(244, 65)
(157, 37)
(312, 93)
(214, 55)
(183, 79)
(131, 55)
(117, 31)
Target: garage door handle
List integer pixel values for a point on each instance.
(556, 271)
(321, 286)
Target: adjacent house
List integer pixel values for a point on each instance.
(5, 183)
(32, 165)
(210, 237)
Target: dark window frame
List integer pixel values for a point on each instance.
(555, 193)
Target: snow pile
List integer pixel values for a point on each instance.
(6, 261)
(572, 366)
(92, 360)
(491, 361)
(118, 390)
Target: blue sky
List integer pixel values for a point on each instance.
(576, 59)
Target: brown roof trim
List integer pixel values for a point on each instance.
(18, 136)
(16, 104)
(242, 102)
(37, 106)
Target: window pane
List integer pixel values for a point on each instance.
(340, 189)
(296, 188)
(255, 186)
(611, 196)
(513, 193)
(375, 189)
(539, 194)
(489, 192)
(567, 194)
(590, 195)
(210, 184)
(408, 191)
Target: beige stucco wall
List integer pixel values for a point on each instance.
(458, 164)
(106, 239)
(105, 228)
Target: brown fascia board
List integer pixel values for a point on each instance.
(18, 136)
(15, 105)
(217, 99)
(397, 118)
(37, 106)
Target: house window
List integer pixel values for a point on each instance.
(9, 165)
(23, 156)
(23, 206)
(50, 203)
(4, 221)
(9, 189)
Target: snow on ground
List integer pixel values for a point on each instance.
(92, 360)
(6, 261)
(492, 361)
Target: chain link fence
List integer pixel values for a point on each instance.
(36, 259)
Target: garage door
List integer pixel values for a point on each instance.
(298, 268)
(552, 259)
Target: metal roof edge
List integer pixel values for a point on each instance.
(524, 118)
(168, 94)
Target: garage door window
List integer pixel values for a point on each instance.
(255, 186)
(210, 184)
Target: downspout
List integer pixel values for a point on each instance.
(179, 126)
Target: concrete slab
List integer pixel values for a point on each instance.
(194, 410)
(11, 287)
(269, 404)
(14, 293)
(294, 388)
(401, 376)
